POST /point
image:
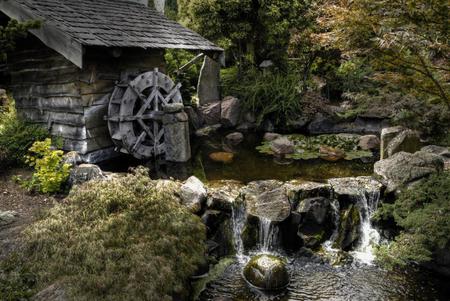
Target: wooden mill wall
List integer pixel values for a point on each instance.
(72, 102)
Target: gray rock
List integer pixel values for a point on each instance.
(223, 195)
(315, 210)
(73, 158)
(8, 217)
(267, 272)
(299, 190)
(266, 64)
(442, 151)
(297, 124)
(387, 134)
(231, 111)
(209, 81)
(282, 146)
(406, 141)
(210, 113)
(234, 138)
(271, 136)
(322, 124)
(84, 173)
(267, 200)
(351, 188)
(348, 232)
(208, 131)
(404, 168)
(193, 194)
(369, 142)
(246, 127)
(176, 137)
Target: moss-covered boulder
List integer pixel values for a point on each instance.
(350, 222)
(267, 272)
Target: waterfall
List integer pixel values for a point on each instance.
(238, 216)
(367, 203)
(328, 245)
(268, 235)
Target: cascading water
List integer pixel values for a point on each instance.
(367, 202)
(328, 245)
(238, 216)
(268, 235)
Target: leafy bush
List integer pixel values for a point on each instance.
(267, 94)
(50, 170)
(16, 136)
(189, 77)
(423, 212)
(122, 239)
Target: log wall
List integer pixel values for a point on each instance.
(69, 101)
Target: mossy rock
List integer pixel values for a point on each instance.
(267, 272)
(350, 222)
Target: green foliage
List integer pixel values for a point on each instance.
(50, 172)
(16, 281)
(16, 136)
(267, 94)
(189, 77)
(423, 212)
(122, 239)
(250, 30)
(13, 31)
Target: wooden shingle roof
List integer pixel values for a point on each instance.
(108, 23)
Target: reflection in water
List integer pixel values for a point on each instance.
(319, 281)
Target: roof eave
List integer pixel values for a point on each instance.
(49, 34)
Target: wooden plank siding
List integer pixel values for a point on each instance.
(69, 101)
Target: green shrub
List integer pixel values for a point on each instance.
(50, 172)
(423, 212)
(273, 95)
(16, 137)
(122, 239)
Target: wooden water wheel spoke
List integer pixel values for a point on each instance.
(135, 113)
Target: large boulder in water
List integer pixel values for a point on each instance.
(282, 146)
(298, 190)
(349, 225)
(267, 200)
(230, 111)
(267, 272)
(404, 168)
(349, 190)
(223, 194)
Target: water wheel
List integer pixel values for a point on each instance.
(135, 114)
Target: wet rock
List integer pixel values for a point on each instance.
(246, 127)
(223, 239)
(231, 110)
(267, 272)
(222, 157)
(350, 222)
(210, 113)
(73, 158)
(271, 136)
(405, 141)
(297, 124)
(234, 138)
(212, 219)
(299, 190)
(208, 131)
(84, 173)
(223, 195)
(322, 124)
(314, 216)
(404, 168)
(8, 217)
(193, 194)
(349, 189)
(267, 200)
(282, 146)
(369, 142)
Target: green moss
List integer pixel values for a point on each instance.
(121, 239)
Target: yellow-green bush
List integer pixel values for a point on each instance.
(121, 239)
(50, 172)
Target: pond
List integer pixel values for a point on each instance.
(311, 280)
(248, 164)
